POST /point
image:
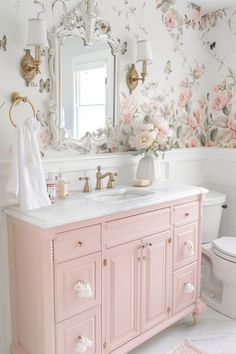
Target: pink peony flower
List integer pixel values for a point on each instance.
(169, 20)
(182, 84)
(194, 120)
(184, 97)
(128, 108)
(221, 100)
(161, 126)
(146, 126)
(194, 142)
(211, 143)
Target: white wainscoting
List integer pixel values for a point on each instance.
(211, 167)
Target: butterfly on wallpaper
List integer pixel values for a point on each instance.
(212, 45)
(168, 69)
(3, 43)
(44, 86)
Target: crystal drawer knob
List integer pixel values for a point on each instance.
(83, 289)
(83, 344)
(188, 288)
(189, 249)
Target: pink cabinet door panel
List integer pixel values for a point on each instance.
(129, 229)
(185, 245)
(80, 334)
(76, 243)
(185, 213)
(156, 279)
(77, 286)
(122, 294)
(184, 287)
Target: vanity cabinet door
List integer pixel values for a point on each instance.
(122, 294)
(156, 279)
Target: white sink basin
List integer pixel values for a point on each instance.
(120, 195)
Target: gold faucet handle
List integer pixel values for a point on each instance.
(110, 184)
(87, 188)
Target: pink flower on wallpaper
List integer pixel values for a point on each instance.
(232, 143)
(221, 100)
(184, 97)
(170, 20)
(197, 72)
(211, 143)
(195, 120)
(194, 142)
(128, 108)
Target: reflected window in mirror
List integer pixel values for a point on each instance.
(87, 86)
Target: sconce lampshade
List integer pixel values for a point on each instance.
(144, 51)
(37, 35)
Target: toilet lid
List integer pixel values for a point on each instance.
(225, 247)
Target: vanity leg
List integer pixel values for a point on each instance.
(197, 312)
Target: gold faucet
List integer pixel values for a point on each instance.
(87, 188)
(100, 176)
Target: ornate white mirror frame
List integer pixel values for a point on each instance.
(84, 21)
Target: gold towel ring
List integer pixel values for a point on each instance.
(16, 99)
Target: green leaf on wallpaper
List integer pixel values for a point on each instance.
(187, 108)
(202, 139)
(226, 111)
(213, 134)
(208, 96)
(179, 131)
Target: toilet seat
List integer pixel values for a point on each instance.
(225, 247)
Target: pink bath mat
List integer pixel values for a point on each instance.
(186, 347)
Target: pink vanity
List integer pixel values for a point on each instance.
(105, 284)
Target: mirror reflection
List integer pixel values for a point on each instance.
(87, 86)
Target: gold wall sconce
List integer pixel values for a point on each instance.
(37, 37)
(144, 55)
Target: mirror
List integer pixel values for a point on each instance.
(84, 64)
(87, 86)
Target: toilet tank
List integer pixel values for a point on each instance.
(212, 212)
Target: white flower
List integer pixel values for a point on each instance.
(143, 140)
(162, 139)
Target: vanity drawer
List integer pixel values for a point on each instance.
(185, 245)
(185, 213)
(133, 227)
(184, 287)
(76, 243)
(77, 286)
(84, 329)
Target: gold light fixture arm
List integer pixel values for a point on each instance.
(29, 67)
(133, 77)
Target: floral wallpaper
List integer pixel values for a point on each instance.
(195, 89)
(191, 83)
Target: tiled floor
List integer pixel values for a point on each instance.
(215, 334)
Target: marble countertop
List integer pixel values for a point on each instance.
(80, 206)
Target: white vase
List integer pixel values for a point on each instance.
(149, 168)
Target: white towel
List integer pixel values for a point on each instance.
(26, 178)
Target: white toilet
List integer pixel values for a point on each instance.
(218, 259)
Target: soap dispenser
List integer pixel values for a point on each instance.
(62, 187)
